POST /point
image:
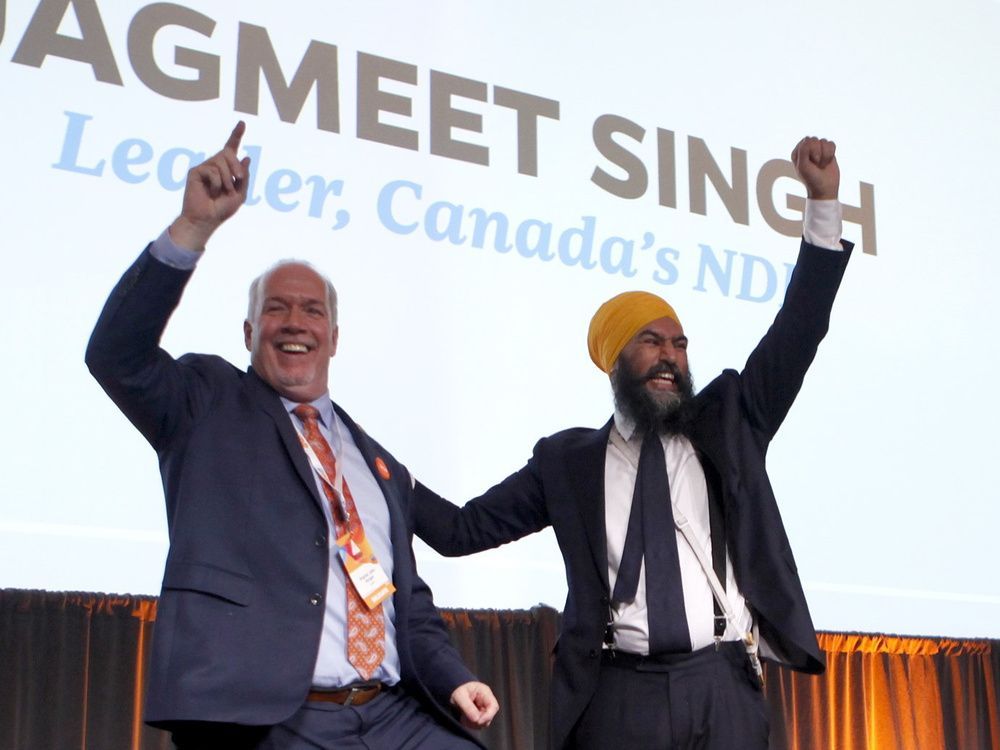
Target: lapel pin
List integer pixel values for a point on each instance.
(381, 468)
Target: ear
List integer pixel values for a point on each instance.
(247, 334)
(333, 340)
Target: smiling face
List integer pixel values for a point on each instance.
(659, 353)
(651, 380)
(293, 335)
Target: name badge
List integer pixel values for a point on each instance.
(367, 576)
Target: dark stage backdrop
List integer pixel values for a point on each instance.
(72, 669)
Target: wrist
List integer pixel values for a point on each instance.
(188, 234)
(822, 194)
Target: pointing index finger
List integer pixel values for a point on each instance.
(233, 143)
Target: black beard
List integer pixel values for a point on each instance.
(672, 415)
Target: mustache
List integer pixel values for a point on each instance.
(660, 368)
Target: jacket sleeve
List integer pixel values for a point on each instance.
(157, 393)
(438, 662)
(510, 510)
(774, 372)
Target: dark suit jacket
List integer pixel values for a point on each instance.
(241, 609)
(562, 485)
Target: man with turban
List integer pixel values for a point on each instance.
(661, 631)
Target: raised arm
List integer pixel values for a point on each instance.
(775, 369)
(153, 390)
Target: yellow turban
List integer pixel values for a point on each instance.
(618, 320)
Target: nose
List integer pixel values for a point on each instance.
(668, 352)
(293, 320)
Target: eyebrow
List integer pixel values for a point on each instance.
(289, 301)
(660, 337)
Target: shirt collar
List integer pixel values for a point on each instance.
(323, 405)
(624, 425)
(627, 429)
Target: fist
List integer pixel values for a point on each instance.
(815, 162)
(476, 704)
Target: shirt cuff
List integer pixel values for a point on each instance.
(823, 224)
(165, 250)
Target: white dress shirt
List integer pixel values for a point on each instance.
(689, 493)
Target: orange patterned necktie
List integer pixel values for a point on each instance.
(365, 627)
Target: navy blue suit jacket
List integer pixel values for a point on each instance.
(562, 485)
(241, 609)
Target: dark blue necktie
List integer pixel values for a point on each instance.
(650, 535)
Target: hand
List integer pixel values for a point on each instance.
(477, 703)
(816, 165)
(215, 190)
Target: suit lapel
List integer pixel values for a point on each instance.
(723, 482)
(362, 441)
(265, 398)
(403, 570)
(398, 533)
(585, 460)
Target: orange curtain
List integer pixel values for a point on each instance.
(885, 692)
(72, 674)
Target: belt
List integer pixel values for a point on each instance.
(353, 695)
(732, 650)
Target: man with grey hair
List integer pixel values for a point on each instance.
(291, 614)
(255, 296)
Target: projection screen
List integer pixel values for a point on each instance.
(476, 179)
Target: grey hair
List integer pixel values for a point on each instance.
(255, 303)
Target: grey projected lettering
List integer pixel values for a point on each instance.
(702, 166)
(636, 180)
(529, 108)
(445, 117)
(141, 35)
(42, 38)
(372, 100)
(255, 55)
(452, 124)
